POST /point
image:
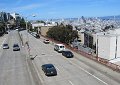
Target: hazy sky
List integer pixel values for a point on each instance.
(61, 8)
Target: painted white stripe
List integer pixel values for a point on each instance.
(70, 82)
(57, 68)
(37, 72)
(89, 73)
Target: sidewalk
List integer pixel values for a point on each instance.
(116, 61)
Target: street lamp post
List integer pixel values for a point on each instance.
(27, 42)
(27, 22)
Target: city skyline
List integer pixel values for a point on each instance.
(61, 8)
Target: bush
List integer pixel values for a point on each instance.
(62, 33)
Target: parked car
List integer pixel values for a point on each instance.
(6, 32)
(5, 46)
(46, 41)
(16, 29)
(16, 47)
(49, 70)
(67, 54)
(37, 36)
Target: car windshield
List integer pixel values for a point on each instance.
(61, 46)
(16, 45)
(49, 66)
(5, 44)
(68, 52)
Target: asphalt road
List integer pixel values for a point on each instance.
(71, 71)
(14, 68)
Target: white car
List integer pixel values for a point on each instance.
(59, 48)
(16, 29)
(46, 41)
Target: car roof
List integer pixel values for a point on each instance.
(5, 44)
(47, 40)
(60, 44)
(67, 51)
(48, 65)
(16, 44)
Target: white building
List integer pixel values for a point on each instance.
(108, 46)
(37, 25)
(15, 15)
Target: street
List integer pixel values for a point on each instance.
(16, 68)
(71, 71)
(13, 66)
(60, 42)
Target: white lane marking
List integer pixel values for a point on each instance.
(57, 68)
(89, 73)
(29, 72)
(37, 72)
(70, 82)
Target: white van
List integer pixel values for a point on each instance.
(59, 47)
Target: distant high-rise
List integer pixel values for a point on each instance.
(3, 16)
(8, 16)
(83, 19)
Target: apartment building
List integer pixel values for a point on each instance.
(108, 44)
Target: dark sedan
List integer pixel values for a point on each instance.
(16, 47)
(67, 54)
(37, 36)
(49, 70)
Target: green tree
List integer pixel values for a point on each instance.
(2, 28)
(29, 26)
(69, 27)
(22, 23)
(62, 33)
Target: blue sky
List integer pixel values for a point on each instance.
(44, 9)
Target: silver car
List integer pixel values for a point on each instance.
(5, 46)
